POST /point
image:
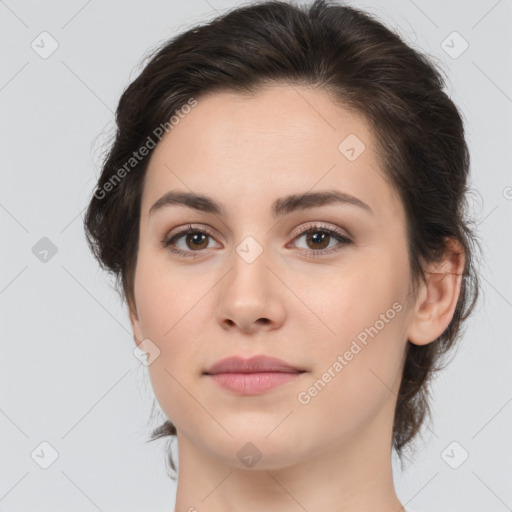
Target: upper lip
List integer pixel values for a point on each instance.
(256, 364)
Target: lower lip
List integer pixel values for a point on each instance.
(252, 383)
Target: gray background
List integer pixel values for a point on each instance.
(68, 373)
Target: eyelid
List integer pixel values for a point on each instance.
(191, 226)
(322, 226)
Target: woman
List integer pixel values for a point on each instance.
(284, 208)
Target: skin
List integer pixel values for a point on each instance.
(333, 453)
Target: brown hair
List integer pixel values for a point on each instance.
(368, 69)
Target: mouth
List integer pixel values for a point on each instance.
(252, 376)
(255, 364)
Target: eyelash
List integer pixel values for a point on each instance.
(317, 228)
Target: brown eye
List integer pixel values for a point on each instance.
(318, 239)
(195, 240)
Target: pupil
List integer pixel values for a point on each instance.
(195, 237)
(323, 237)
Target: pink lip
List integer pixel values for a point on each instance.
(255, 364)
(252, 376)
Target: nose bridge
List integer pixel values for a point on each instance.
(249, 292)
(249, 263)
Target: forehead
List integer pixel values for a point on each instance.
(282, 140)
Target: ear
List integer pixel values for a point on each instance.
(135, 322)
(437, 298)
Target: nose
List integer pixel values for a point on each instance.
(251, 297)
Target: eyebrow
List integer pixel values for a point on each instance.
(281, 207)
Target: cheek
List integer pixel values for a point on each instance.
(357, 369)
(348, 300)
(364, 321)
(172, 315)
(168, 297)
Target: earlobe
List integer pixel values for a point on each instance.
(438, 296)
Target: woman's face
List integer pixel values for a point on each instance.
(256, 284)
